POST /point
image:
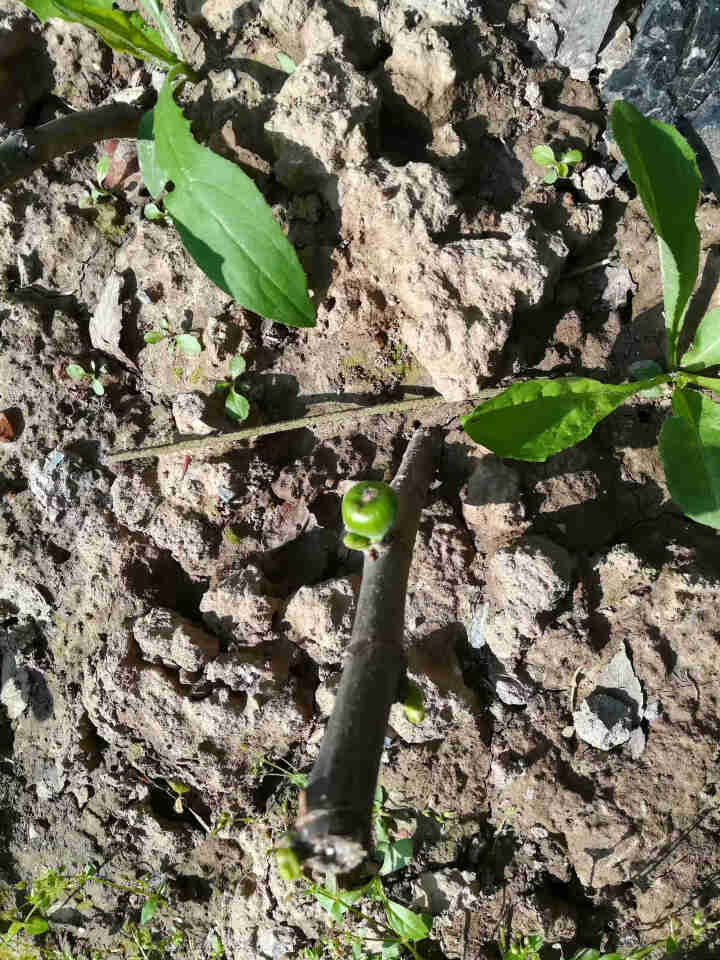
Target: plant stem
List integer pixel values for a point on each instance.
(217, 445)
(23, 151)
(334, 826)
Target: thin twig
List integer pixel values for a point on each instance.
(219, 444)
(333, 830)
(23, 151)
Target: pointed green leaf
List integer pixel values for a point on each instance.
(286, 63)
(391, 950)
(124, 32)
(705, 349)
(562, 169)
(340, 902)
(237, 365)
(407, 924)
(75, 371)
(551, 176)
(178, 787)
(397, 855)
(154, 336)
(98, 388)
(154, 9)
(571, 156)
(188, 344)
(150, 908)
(236, 406)
(690, 452)
(543, 155)
(102, 167)
(644, 370)
(225, 223)
(15, 927)
(152, 173)
(36, 925)
(662, 166)
(533, 420)
(712, 383)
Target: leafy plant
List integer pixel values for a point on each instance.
(185, 342)
(555, 169)
(538, 418)
(223, 219)
(77, 372)
(237, 406)
(96, 192)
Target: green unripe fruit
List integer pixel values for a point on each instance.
(414, 705)
(354, 541)
(369, 509)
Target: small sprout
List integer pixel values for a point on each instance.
(101, 168)
(288, 863)
(179, 789)
(151, 211)
(369, 509)
(286, 63)
(237, 406)
(185, 342)
(555, 169)
(76, 372)
(414, 705)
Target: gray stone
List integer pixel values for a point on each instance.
(321, 619)
(189, 413)
(583, 26)
(166, 636)
(603, 721)
(14, 687)
(674, 73)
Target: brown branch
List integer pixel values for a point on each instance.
(23, 151)
(217, 445)
(334, 828)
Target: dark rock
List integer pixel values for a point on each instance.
(674, 74)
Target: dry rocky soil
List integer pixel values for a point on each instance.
(168, 619)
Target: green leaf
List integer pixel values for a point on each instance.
(397, 855)
(14, 929)
(662, 166)
(75, 371)
(150, 908)
(188, 344)
(340, 902)
(705, 349)
(124, 32)
(153, 212)
(533, 420)
(236, 406)
(391, 950)
(381, 828)
(35, 925)
(224, 221)
(97, 387)
(154, 336)
(102, 167)
(42, 8)
(154, 9)
(237, 365)
(712, 383)
(690, 452)
(571, 156)
(551, 176)
(645, 370)
(562, 170)
(543, 155)
(178, 787)
(153, 175)
(407, 924)
(286, 63)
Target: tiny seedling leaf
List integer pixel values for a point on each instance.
(102, 167)
(222, 217)
(535, 419)
(237, 366)
(152, 211)
(75, 371)
(340, 902)
(15, 927)
(407, 924)
(97, 387)
(543, 155)
(188, 344)
(551, 176)
(286, 63)
(705, 349)
(178, 787)
(236, 406)
(690, 452)
(571, 156)
(562, 169)
(35, 925)
(397, 855)
(150, 908)
(662, 166)
(154, 336)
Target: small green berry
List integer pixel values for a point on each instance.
(369, 509)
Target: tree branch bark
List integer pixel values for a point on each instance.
(23, 151)
(333, 832)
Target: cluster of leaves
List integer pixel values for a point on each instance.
(538, 418)
(96, 192)
(186, 343)
(140, 939)
(76, 372)
(236, 405)
(223, 219)
(700, 927)
(555, 169)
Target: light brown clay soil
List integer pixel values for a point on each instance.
(173, 619)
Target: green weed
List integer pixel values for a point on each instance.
(555, 169)
(76, 372)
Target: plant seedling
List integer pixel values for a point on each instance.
(555, 169)
(536, 419)
(369, 511)
(152, 211)
(77, 372)
(237, 406)
(185, 342)
(96, 192)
